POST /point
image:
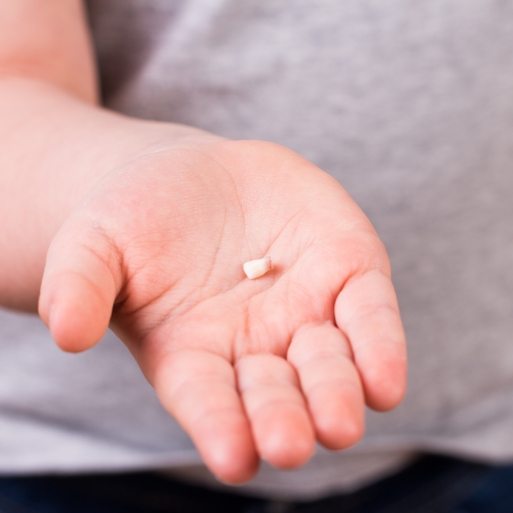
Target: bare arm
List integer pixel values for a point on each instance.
(48, 41)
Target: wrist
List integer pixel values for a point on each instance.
(55, 150)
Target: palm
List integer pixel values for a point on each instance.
(258, 367)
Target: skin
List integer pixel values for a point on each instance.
(148, 234)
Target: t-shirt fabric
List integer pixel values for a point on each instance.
(410, 107)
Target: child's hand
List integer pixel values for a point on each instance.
(250, 368)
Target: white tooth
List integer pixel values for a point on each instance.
(256, 268)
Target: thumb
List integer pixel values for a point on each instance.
(81, 280)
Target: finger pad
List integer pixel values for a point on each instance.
(339, 421)
(228, 449)
(384, 382)
(285, 438)
(76, 326)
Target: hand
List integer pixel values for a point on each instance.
(250, 368)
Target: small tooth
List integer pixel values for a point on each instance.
(256, 268)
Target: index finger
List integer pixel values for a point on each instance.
(367, 311)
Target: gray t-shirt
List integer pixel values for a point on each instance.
(410, 106)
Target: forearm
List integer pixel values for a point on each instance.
(53, 149)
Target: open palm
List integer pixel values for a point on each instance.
(250, 368)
